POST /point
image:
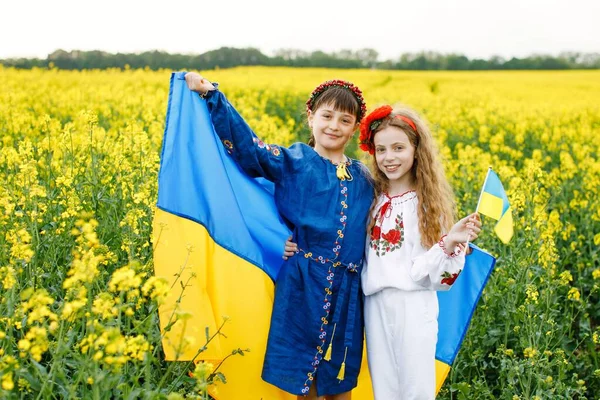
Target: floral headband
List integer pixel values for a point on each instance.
(338, 82)
(373, 121)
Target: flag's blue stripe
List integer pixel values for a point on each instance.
(494, 187)
(238, 212)
(458, 304)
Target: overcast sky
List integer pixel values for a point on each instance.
(476, 28)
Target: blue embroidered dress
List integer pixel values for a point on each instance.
(318, 302)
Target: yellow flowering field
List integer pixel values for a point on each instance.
(79, 158)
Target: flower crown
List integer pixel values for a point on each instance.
(373, 121)
(345, 84)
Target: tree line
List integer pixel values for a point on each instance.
(227, 57)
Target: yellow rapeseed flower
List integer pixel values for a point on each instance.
(574, 294)
(529, 352)
(124, 279)
(565, 277)
(104, 306)
(7, 277)
(7, 381)
(156, 288)
(532, 294)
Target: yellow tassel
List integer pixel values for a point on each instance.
(329, 350)
(342, 173)
(328, 354)
(342, 372)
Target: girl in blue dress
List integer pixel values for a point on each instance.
(315, 340)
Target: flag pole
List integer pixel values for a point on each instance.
(479, 202)
(482, 188)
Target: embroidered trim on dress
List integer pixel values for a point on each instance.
(328, 292)
(455, 252)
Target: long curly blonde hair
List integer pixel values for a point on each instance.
(436, 210)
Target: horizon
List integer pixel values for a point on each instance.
(308, 52)
(467, 27)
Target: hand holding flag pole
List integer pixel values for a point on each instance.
(471, 232)
(478, 203)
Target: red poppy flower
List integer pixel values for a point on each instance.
(366, 136)
(449, 280)
(393, 236)
(376, 232)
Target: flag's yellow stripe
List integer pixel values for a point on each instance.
(218, 284)
(504, 227)
(364, 390)
(441, 372)
(491, 206)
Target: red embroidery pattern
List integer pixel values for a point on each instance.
(448, 278)
(456, 252)
(389, 241)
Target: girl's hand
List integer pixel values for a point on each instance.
(290, 249)
(467, 229)
(197, 83)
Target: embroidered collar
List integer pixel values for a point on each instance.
(399, 195)
(386, 208)
(347, 162)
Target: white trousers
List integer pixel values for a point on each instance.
(401, 329)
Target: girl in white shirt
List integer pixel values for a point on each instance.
(413, 250)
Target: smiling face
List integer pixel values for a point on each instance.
(395, 157)
(331, 128)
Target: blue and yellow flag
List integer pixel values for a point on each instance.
(218, 240)
(493, 202)
(456, 309)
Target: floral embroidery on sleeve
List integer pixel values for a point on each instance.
(259, 143)
(228, 144)
(389, 241)
(274, 149)
(448, 278)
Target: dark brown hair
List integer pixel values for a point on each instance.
(341, 99)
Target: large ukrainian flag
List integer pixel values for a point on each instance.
(218, 240)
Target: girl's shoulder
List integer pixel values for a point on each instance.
(363, 170)
(302, 153)
(304, 149)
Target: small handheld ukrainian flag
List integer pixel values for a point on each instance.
(493, 202)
